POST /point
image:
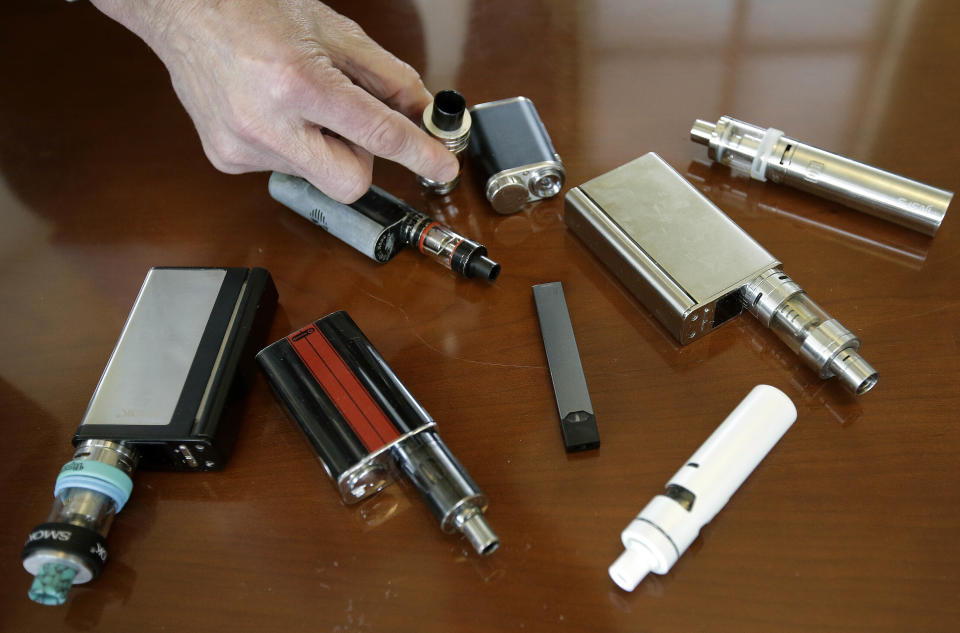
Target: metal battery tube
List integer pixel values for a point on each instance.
(766, 153)
(366, 427)
(446, 119)
(695, 269)
(514, 154)
(70, 547)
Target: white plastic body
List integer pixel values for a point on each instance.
(664, 529)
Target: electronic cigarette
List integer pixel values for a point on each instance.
(514, 154)
(379, 225)
(163, 402)
(366, 427)
(578, 424)
(694, 269)
(666, 527)
(446, 119)
(901, 248)
(767, 153)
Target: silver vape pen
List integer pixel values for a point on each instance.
(768, 153)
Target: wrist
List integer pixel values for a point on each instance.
(151, 20)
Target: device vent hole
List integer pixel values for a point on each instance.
(681, 495)
(783, 156)
(693, 465)
(782, 277)
(757, 300)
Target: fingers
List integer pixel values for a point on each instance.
(377, 70)
(387, 78)
(356, 115)
(341, 170)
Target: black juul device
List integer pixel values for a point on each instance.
(365, 425)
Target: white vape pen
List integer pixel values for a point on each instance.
(664, 529)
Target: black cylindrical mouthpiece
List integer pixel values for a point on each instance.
(448, 109)
(484, 267)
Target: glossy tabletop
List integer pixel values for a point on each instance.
(851, 523)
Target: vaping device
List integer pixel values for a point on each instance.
(577, 421)
(666, 527)
(899, 247)
(694, 269)
(768, 153)
(379, 225)
(447, 120)
(161, 403)
(514, 154)
(366, 427)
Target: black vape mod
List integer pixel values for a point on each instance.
(161, 404)
(447, 120)
(365, 425)
(513, 152)
(379, 225)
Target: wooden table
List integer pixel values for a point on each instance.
(850, 524)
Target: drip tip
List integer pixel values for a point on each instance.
(483, 539)
(448, 109)
(484, 267)
(52, 584)
(702, 131)
(631, 567)
(855, 372)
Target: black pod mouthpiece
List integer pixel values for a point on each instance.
(448, 109)
(483, 267)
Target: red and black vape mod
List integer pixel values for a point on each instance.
(365, 425)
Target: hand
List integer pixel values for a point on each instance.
(291, 86)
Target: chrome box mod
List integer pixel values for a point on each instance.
(695, 269)
(513, 152)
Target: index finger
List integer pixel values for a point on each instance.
(358, 116)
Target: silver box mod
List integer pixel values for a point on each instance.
(695, 269)
(671, 247)
(180, 365)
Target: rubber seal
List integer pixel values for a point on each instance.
(96, 476)
(758, 169)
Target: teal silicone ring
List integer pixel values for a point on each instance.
(96, 476)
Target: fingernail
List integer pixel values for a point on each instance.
(450, 169)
